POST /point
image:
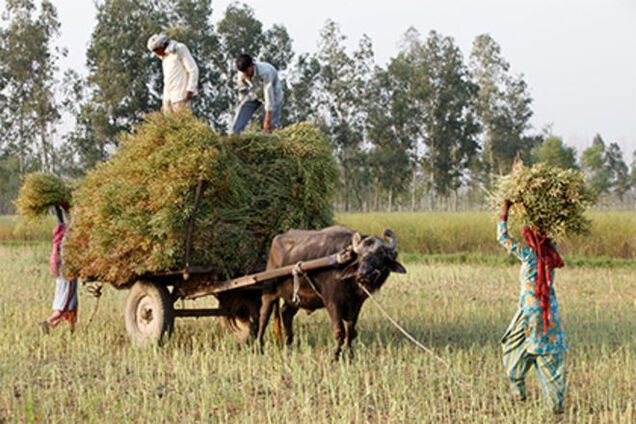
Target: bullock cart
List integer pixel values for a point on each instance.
(151, 303)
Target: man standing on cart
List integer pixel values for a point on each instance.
(259, 87)
(180, 72)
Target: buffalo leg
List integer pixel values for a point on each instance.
(288, 314)
(338, 329)
(277, 329)
(267, 304)
(350, 335)
(350, 327)
(254, 311)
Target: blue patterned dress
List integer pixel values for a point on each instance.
(524, 344)
(529, 314)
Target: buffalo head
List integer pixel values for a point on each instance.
(375, 259)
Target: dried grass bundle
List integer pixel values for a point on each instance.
(549, 199)
(130, 214)
(41, 191)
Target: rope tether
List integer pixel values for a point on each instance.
(417, 343)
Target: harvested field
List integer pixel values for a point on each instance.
(201, 375)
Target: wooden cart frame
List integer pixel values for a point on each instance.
(150, 307)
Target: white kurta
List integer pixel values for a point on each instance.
(180, 73)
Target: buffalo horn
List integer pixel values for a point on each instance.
(355, 242)
(390, 235)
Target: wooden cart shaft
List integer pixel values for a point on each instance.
(259, 277)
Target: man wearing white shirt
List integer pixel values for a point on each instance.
(259, 87)
(180, 72)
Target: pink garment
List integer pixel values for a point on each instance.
(58, 235)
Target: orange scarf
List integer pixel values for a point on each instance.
(547, 260)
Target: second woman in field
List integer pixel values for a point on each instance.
(535, 336)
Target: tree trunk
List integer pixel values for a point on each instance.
(377, 194)
(413, 184)
(346, 189)
(389, 206)
(45, 148)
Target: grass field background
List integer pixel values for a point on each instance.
(464, 236)
(201, 375)
(613, 234)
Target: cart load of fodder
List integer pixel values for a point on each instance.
(41, 191)
(130, 215)
(550, 199)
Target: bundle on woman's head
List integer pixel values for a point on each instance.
(550, 200)
(40, 192)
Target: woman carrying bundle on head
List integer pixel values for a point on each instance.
(535, 335)
(65, 300)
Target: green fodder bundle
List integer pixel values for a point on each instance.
(41, 191)
(130, 216)
(549, 199)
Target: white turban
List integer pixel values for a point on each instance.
(156, 41)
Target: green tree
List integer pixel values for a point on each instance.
(618, 170)
(341, 86)
(390, 156)
(124, 80)
(407, 111)
(302, 96)
(554, 152)
(503, 106)
(594, 161)
(277, 47)
(11, 181)
(240, 32)
(28, 63)
(450, 125)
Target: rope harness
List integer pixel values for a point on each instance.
(297, 273)
(344, 256)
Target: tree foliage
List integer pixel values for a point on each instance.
(553, 152)
(450, 124)
(426, 129)
(28, 66)
(503, 106)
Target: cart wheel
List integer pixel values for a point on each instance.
(149, 313)
(239, 328)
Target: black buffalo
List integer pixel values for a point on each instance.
(336, 289)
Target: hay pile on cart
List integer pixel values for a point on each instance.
(177, 192)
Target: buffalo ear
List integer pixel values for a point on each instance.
(350, 271)
(397, 267)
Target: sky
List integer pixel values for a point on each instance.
(577, 56)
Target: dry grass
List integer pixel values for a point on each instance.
(202, 376)
(16, 229)
(613, 234)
